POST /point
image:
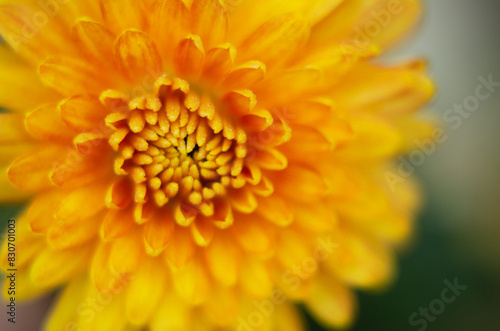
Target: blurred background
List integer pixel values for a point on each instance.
(458, 233)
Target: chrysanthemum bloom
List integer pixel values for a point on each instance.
(206, 164)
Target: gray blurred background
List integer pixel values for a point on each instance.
(459, 229)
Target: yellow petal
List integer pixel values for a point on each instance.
(145, 292)
(65, 311)
(288, 318)
(192, 282)
(14, 139)
(248, 13)
(360, 261)
(12, 129)
(253, 234)
(223, 258)
(8, 193)
(255, 278)
(374, 138)
(331, 302)
(54, 267)
(171, 315)
(398, 90)
(14, 73)
(366, 22)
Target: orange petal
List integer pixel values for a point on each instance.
(82, 203)
(95, 39)
(243, 200)
(253, 234)
(30, 172)
(181, 248)
(45, 123)
(137, 56)
(76, 171)
(276, 40)
(101, 274)
(306, 139)
(117, 223)
(40, 213)
(158, 231)
(122, 14)
(202, 230)
(64, 235)
(89, 143)
(18, 28)
(69, 76)
(240, 102)
(189, 57)
(300, 182)
(170, 18)
(119, 194)
(219, 62)
(299, 83)
(246, 75)
(275, 210)
(126, 254)
(83, 113)
(209, 21)
(271, 159)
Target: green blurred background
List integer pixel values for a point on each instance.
(458, 233)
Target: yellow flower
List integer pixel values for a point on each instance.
(205, 164)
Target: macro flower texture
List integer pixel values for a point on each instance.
(206, 164)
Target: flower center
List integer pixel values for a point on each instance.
(174, 144)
